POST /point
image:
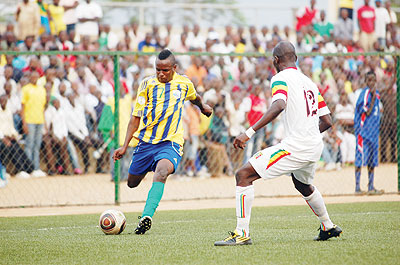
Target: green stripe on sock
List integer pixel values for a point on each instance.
(153, 198)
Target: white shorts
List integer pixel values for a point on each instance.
(275, 161)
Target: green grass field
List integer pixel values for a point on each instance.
(281, 235)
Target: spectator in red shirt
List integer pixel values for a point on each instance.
(306, 15)
(366, 23)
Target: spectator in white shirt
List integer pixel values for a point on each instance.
(78, 131)
(106, 89)
(7, 77)
(344, 115)
(195, 40)
(69, 13)
(63, 43)
(14, 104)
(89, 14)
(382, 19)
(10, 150)
(55, 139)
(64, 104)
(393, 21)
(237, 120)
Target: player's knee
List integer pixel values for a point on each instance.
(241, 177)
(133, 183)
(161, 175)
(304, 189)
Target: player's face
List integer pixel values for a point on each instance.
(165, 70)
(371, 81)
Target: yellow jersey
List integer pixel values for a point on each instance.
(160, 107)
(34, 101)
(57, 13)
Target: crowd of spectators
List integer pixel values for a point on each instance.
(51, 107)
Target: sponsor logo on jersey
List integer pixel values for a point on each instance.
(258, 155)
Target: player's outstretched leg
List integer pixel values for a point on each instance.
(314, 199)
(163, 169)
(244, 199)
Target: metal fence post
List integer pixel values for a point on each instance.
(116, 126)
(398, 119)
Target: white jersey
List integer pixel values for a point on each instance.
(304, 106)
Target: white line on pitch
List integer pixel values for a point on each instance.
(179, 221)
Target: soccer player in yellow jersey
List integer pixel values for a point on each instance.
(156, 125)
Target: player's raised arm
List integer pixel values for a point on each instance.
(204, 108)
(141, 101)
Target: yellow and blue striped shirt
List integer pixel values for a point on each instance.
(160, 105)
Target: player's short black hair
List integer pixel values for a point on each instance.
(370, 73)
(166, 54)
(285, 51)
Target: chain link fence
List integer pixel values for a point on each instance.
(59, 119)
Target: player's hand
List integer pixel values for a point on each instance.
(119, 153)
(207, 110)
(240, 141)
(7, 141)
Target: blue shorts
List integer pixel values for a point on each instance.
(146, 156)
(368, 156)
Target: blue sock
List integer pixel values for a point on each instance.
(153, 198)
(370, 180)
(358, 174)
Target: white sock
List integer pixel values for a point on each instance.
(317, 205)
(244, 200)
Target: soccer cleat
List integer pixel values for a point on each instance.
(234, 239)
(325, 235)
(144, 225)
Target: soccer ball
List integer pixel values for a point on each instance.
(112, 222)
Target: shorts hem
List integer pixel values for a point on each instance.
(256, 170)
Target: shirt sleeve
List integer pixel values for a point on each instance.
(141, 100)
(322, 107)
(99, 12)
(279, 89)
(191, 93)
(78, 12)
(24, 97)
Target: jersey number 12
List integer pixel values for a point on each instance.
(311, 103)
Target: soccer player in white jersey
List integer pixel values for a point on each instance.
(305, 117)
